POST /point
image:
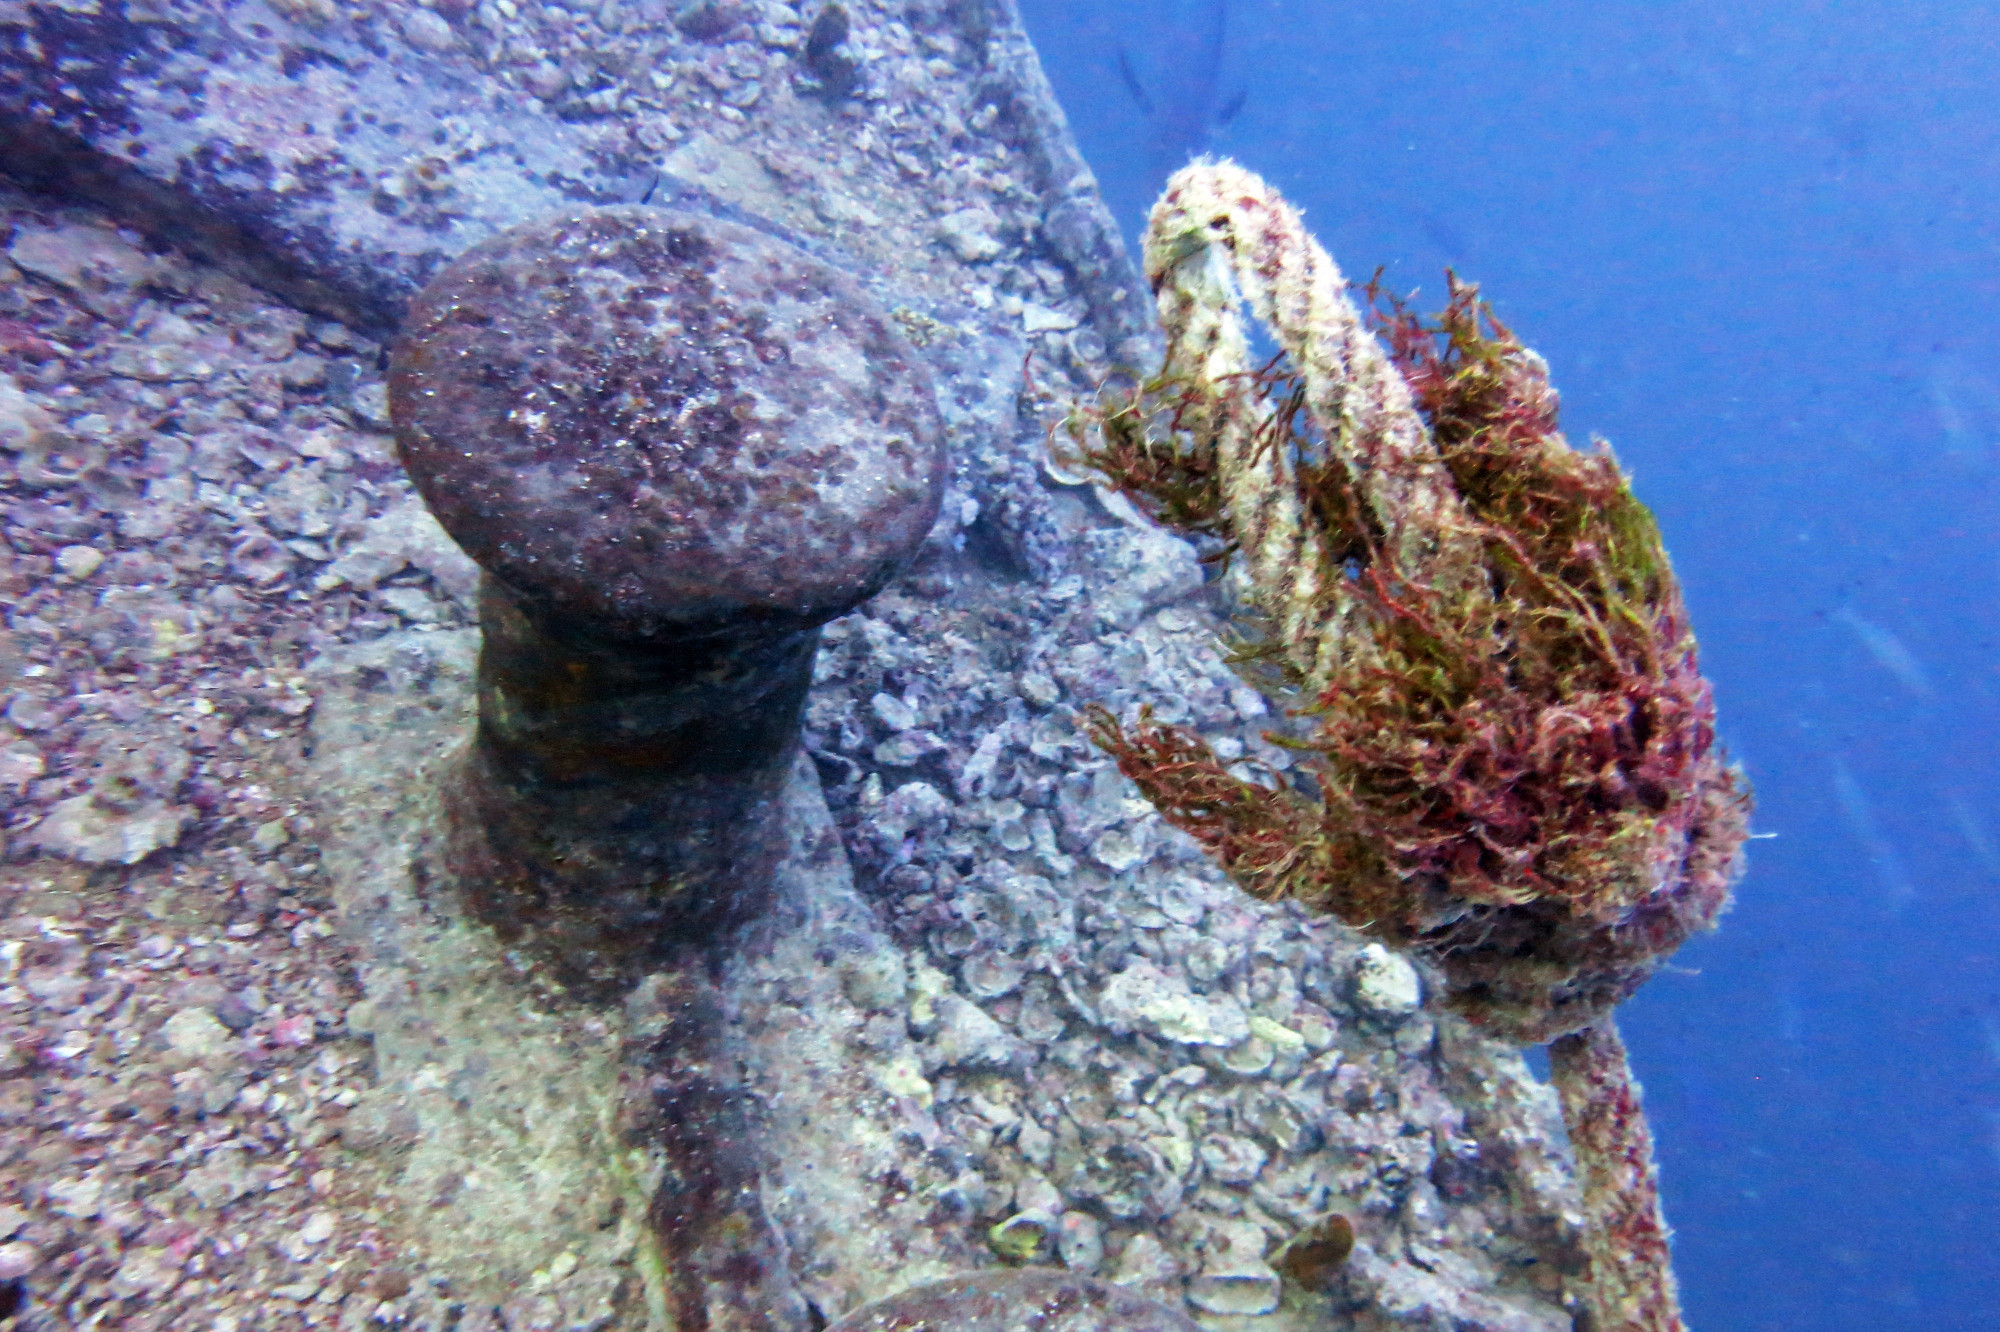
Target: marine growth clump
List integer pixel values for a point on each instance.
(1507, 747)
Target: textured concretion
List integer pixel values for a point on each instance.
(657, 425)
(1029, 1300)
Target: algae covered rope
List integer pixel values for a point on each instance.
(1509, 750)
(1625, 1233)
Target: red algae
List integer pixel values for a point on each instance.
(1507, 746)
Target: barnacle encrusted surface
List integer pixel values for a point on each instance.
(995, 1008)
(999, 1301)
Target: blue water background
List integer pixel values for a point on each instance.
(1757, 245)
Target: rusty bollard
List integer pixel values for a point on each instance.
(677, 447)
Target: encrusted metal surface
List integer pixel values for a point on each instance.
(660, 425)
(1030, 1010)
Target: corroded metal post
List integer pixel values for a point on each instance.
(677, 447)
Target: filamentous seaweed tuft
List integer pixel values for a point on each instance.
(1507, 746)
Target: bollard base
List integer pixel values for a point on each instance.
(520, 1128)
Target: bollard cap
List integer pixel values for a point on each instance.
(653, 425)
